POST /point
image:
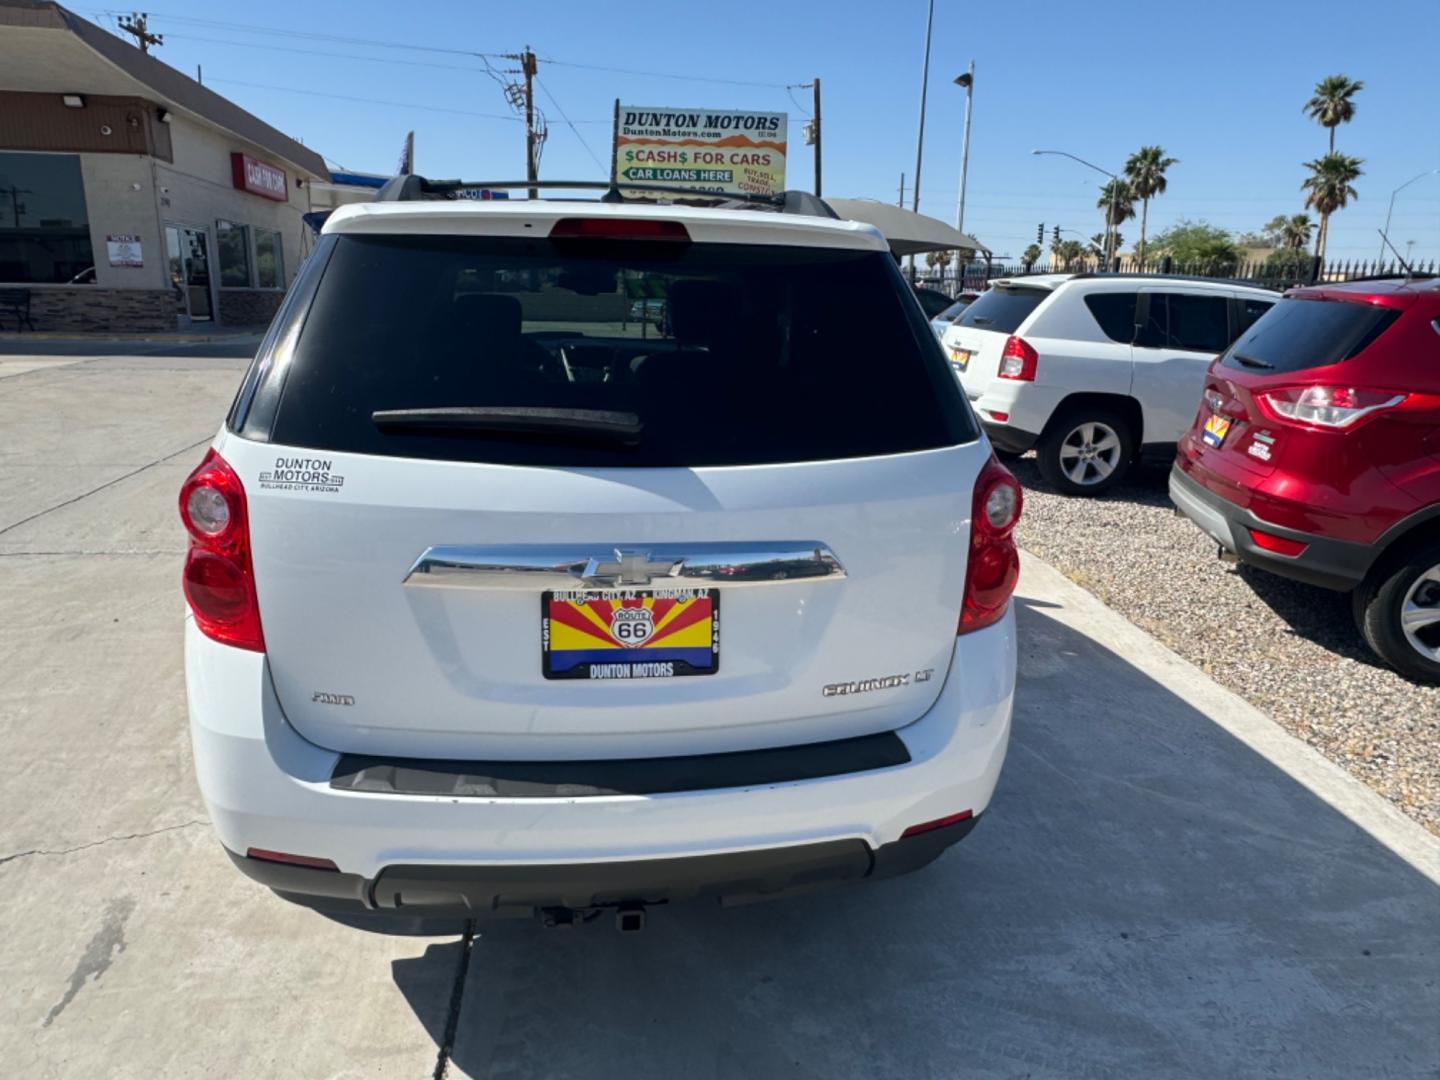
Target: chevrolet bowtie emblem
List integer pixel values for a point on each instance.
(629, 567)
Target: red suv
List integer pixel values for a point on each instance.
(1316, 455)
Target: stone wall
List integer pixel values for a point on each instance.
(88, 309)
(249, 307)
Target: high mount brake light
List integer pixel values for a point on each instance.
(993, 568)
(1332, 407)
(219, 579)
(1019, 360)
(609, 228)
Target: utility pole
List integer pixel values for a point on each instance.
(816, 85)
(920, 133)
(900, 202)
(532, 166)
(968, 82)
(134, 25)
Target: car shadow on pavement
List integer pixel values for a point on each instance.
(1322, 616)
(1146, 897)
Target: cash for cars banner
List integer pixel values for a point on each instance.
(713, 150)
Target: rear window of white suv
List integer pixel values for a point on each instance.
(611, 353)
(1002, 308)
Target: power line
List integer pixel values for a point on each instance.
(794, 101)
(661, 74)
(251, 28)
(594, 157)
(377, 101)
(333, 55)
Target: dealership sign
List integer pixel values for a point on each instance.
(714, 150)
(258, 178)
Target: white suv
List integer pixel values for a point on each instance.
(509, 595)
(1093, 369)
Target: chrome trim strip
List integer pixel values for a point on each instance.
(538, 567)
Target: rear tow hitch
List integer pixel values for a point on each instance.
(630, 918)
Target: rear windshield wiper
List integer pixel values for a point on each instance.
(1251, 361)
(606, 425)
(980, 320)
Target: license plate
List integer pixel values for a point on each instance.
(1216, 428)
(629, 633)
(960, 359)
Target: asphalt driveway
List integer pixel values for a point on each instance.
(1166, 885)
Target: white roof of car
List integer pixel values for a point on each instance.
(1051, 282)
(535, 217)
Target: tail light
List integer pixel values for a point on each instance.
(614, 228)
(219, 579)
(1019, 360)
(310, 861)
(1280, 545)
(938, 823)
(994, 565)
(1326, 406)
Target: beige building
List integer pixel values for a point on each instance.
(131, 196)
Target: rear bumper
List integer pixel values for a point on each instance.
(266, 787)
(1010, 439)
(447, 891)
(1329, 563)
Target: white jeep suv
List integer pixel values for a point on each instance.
(504, 598)
(1093, 370)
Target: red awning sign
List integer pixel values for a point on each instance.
(258, 178)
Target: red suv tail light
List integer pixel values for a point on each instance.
(1330, 407)
(1019, 360)
(994, 564)
(219, 579)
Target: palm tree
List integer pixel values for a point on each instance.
(1329, 188)
(1295, 231)
(1333, 103)
(1069, 252)
(1030, 256)
(1146, 172)
(1118, 202)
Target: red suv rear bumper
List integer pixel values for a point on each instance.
(1325, 561)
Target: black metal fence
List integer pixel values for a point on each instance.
(1281, 270)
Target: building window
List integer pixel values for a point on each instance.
(44, 230)
(269, 260)
(233, 244)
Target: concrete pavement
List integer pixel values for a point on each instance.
(1167, 884)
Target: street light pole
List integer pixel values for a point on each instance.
(920, 133)
(1388, 213)
(968, 82)
(1114, 190)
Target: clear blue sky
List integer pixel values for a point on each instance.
(1220, 85)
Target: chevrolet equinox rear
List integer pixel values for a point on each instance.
(564, 556)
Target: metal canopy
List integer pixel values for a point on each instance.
(908, 233)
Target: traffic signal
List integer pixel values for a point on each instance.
(1057, 234)
(1040, 234)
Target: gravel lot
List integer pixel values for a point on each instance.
(1290, 649)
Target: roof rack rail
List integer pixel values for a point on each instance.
(1399, 275)
(412, 188)
(1199, 278)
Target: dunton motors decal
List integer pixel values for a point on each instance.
(302, 474)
